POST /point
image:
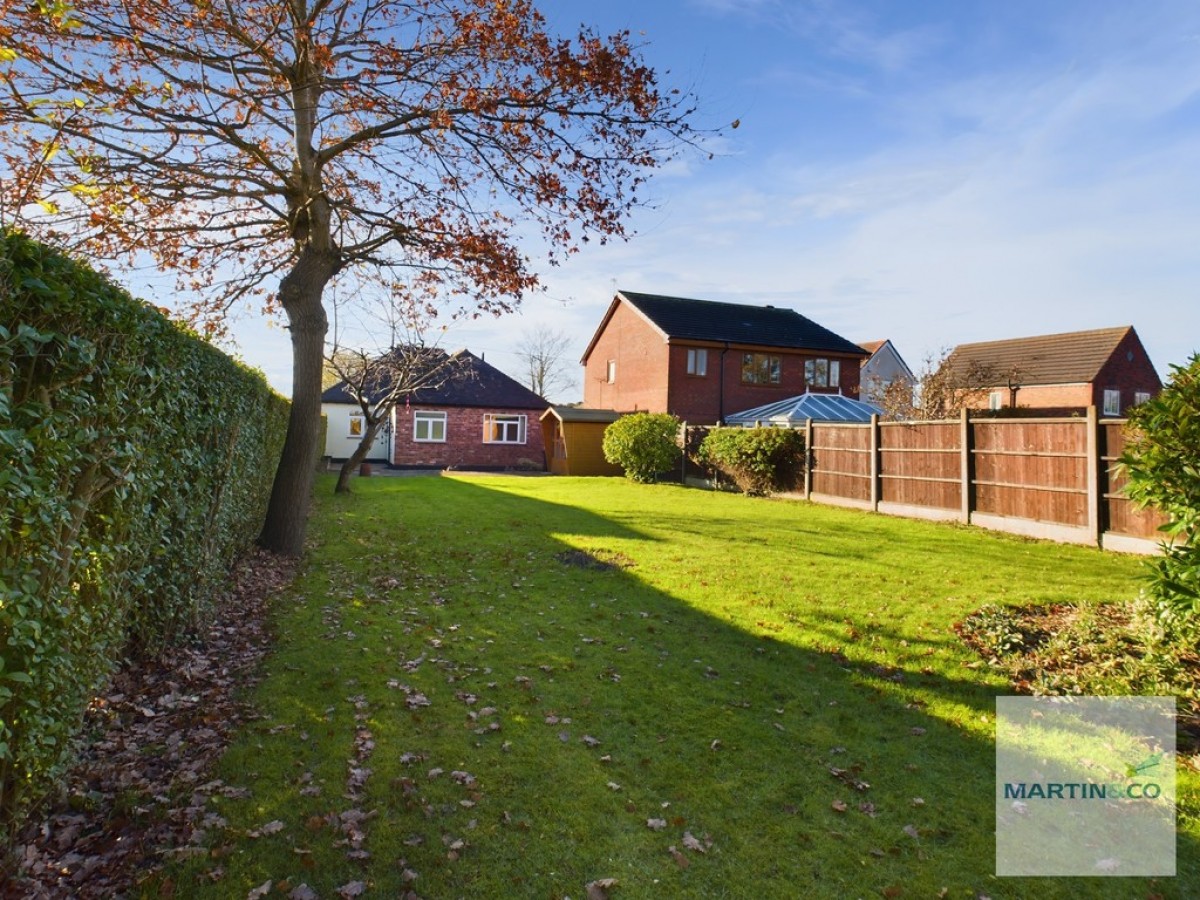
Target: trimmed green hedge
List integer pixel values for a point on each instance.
(137, 463)
(759, 460)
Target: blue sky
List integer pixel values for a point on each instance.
(929, 172)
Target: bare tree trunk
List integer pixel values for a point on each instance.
(359, 454)
(291, 495)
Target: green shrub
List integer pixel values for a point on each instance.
(643, 444)
(137, 464)
(1162, 460)
(759, 460)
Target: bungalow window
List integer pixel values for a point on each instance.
(759, 368)
(499, 429)
(358, 425)
(1112, 403)
(697, 362)
(822, 372)
(429, 427)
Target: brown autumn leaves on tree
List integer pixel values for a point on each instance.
(261, 148)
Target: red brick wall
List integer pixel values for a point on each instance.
(464, 446)
(1128, 370)
(699, 400)
(641, 354)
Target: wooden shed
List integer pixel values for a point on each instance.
(574, 440)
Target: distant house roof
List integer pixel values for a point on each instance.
(581, 414)
(818, 407)
(1074, 357)
(872, 347)
(474, 383)
(735, 323)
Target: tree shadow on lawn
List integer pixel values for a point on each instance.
(536, 725)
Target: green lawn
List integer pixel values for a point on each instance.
(518, 686)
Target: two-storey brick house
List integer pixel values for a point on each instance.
(702, 360)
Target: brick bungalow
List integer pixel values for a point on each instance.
(479, 419)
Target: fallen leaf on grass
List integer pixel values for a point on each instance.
(868, 809)
(590, 741)
(656, 824)
(693, 843)
(302, 892)
(911, 831)
(839, 806)
(261, 891)
(916, 730)
(270, 828)
(613, 786)
(598, 889)
(682, 861)
(352, 889)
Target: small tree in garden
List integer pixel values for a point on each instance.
(1162, 460)
(643, 444)
(759, 460)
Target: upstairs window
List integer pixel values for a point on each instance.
(1112, 403)
(498, 429)
(822, 372)
(611, 374)
(697, 362)
(1140, 397)
(760, 368)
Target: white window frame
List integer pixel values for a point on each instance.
(611, 373)
(1112, 402)
(1140, 397)
(496, 427)
(996, 400)
(822, 372)
(359, 420)
(697, 361)
(430, 419)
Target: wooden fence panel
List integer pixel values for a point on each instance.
(920, 464)
(1032, 469)
(841, 461)
(1120, 515)
(1052, 478)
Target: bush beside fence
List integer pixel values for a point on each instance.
(137, 464)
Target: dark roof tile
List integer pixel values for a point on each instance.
(738, 323)
(476, 383)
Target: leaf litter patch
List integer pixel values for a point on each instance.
(596, 560)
